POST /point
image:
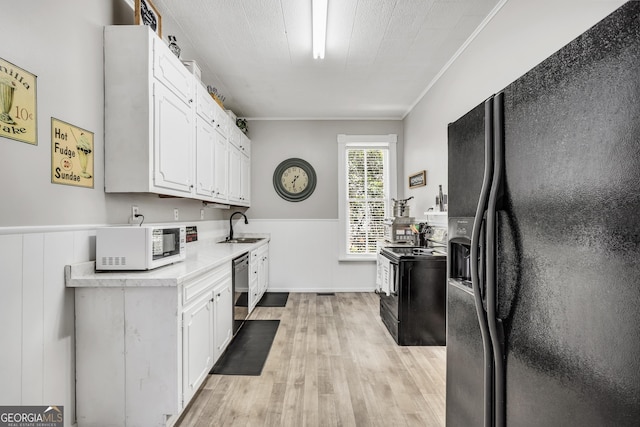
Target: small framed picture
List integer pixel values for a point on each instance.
(147, 14)
(418, 179)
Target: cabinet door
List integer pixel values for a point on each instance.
(204, 104)
(205, 158)
(171, 72)
(173, 141)
(223, 315)
(197, 344)
(235, 174)
(221, 168)
(245, 180)
(221, 120)
(265, 270)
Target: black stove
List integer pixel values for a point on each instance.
(413, 302)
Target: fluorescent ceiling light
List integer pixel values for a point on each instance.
(319, 13)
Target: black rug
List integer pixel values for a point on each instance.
(269, 299)
(273, 299)
(243, 300)
(248, 350)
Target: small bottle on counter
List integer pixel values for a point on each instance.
(440, 199)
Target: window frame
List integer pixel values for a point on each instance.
(345, 142)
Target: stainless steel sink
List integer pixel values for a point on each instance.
(243, 240)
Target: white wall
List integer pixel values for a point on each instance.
(273, 141)
(520, 35)
(304, 235)
(61, 42)
(303, 257)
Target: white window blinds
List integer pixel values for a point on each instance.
(366, 198)
(367, 182)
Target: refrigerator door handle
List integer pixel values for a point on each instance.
(476, 257)
(495, 326)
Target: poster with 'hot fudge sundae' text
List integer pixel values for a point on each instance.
(71, 154)
(18, 118)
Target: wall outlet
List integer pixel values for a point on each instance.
(201, 213)
(134, 211)
(175, 214)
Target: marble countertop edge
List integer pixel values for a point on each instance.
(202, 256)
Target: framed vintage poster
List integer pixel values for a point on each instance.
(18, 112)
(418, 179)
(71, 154)
(147, 14)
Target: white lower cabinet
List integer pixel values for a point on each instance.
(258, 274)
(143, 351)
(223, 312)
(197, 344)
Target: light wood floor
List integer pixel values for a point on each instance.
(332, 363)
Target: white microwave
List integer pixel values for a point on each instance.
(139, 247)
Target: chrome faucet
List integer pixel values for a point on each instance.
(246, 221)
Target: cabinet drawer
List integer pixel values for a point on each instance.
(171, 72)
(201, 284)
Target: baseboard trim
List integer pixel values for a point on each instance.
(322, 290)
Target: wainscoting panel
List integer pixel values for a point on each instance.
(37, 366)
(33, 304)
(11, 320)
(303, 257)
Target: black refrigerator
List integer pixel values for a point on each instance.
(543, 295)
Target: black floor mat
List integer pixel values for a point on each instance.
(269, 299)
(243, 300)
(248, 350)
(273, 299)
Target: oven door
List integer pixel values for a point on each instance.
(389, 304)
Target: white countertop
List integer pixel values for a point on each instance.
(202, 256)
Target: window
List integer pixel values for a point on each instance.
(367, 168)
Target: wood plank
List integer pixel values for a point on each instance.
(332, 363)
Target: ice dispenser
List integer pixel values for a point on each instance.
(460, 250)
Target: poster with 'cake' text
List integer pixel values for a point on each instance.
(18, 118)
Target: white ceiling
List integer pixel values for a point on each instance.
(381, 55)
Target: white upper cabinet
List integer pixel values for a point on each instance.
(205, 157)
(221, 169)
(164, 133)
(149, 125)
(239, 167)
(172, 142)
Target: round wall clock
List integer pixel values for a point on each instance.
(294, 179)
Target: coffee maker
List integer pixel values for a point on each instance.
(398, 229)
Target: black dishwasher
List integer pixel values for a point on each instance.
(414, 312)
(240, 291)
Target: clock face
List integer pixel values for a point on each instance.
(294, 179)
